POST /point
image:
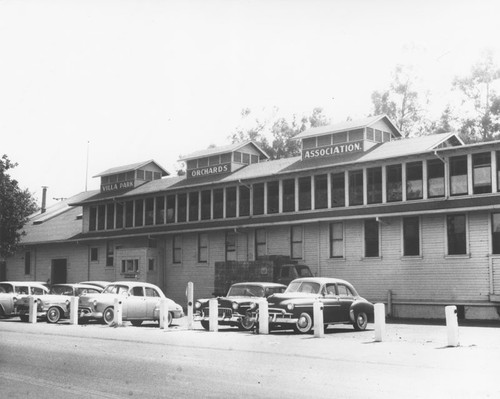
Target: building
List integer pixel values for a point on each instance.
(411, 222)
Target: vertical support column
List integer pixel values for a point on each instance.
(494, 174)
(313, 192)
(447, 178)
(190, 296)
(403, 181)
(365, 186)
(425, 185)
(296, 194)
(329, 189)
(117, 320)
(33, 304)
(470, 180)
(280, 197)
(265, 198)
(73, 310)
(213, 310)
(346, 187)
(163, 314)
(379, 322)
(384, 184)
(452, 325)
(319, 328)
(263, 316)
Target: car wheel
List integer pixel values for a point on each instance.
(109, 315)
(360, 321)
(246, 324)
(205, 324)
(136, 323)
(305, 323)
(24, 318)
(53, 315)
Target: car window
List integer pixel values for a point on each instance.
(151, 292)
(330, 289)
(22, 289)
(137, 291)
(6, 287)
(61, 290)
(82, 291)
(303, 271)
(306, 287)
(246, 290)
(344, 290)
(274, 290)
(115, 289)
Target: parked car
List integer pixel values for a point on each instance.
(56, 304)
(234, 306)
(341, 305)
(140, 302)
(12, 291)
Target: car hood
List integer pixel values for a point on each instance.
(295, 297)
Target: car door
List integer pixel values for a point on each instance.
(135, 304)
(152, 300)
(346, 300)
(331, 304)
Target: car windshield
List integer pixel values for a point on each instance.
(61, 290)
(306, 287)
(115, 289)
(246, 290)
(303, 271)
(6, 287)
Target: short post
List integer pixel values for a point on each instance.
(73, 310)
(117, 319)
(263, 317)
(213, 311)
(389, 303)
(379, 322)
(190, 296)
(33, 303)
(452, 325)
(163, 314)
(319, 328)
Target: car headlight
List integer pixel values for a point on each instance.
(235, 306)
(290, 306)
(197, 305)
(95, 303)
(253, 306)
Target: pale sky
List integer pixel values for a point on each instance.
(134, 80)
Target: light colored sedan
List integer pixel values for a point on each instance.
(140, 302)
(12, 291)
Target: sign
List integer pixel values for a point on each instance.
(117, 186)
(210, 170)
(331, 150)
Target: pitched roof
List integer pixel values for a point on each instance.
(131, 167)
(221, 150)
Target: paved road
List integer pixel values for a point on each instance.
(61, 361)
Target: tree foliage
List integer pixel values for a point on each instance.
(16, 205)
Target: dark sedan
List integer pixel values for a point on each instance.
(341, 305)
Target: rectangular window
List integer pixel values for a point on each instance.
(435, 178)
(203, 248)
(181, 207)
(206, 204)
(194, 202)
(495, 233)
(160, 210)
(371, 238)
(170, 208)
(237, 157)
(304, 193)
(94, 254)
(481, 167)
(458, 175)
(296, 242)
(320, 191)
(273, 197)
(411, 236)
(230, 245)
(231, 202)
(394, 183)
(324, 140)
(27, 262)
(338, 189)
(150, 211)
(101, 217)
(139, 213)
(374, 185)
(260, 243)
(414, 181)
(214, 160)
(92, 218)
(177, 248)
(130, 266)
(110, 254)
(151, 268)
(355, 187)
(244, 201)
(218, 203)
(337, 240)
(110, 216)
(258, 199)
(289, 195)
(129, 214)
(457, 234)
(119, 215)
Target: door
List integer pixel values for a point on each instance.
(346, 300)
(331, 305)
(136, 304)
(59, 273)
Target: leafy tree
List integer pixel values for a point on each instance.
(16, 205)
(481, 104)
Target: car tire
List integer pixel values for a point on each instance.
(305, 324)
(108, 315)
(136, 323)
(360, 321)
(205, 324)
(53, 315)
(24, 318)
(246, 324)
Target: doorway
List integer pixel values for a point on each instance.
(59, 271)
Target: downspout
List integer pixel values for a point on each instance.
(319, 249)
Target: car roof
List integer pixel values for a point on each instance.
(30, 283)
(134, 284)
(322, 280)
(76, 285)
(260, 283)
(101, 284)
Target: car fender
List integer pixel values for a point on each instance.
(361, 306)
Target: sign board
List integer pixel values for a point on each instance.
(333, 150)
(122, 185)
(210, 170)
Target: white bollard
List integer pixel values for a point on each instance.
(33, 303)
(73, 310)
(163, 314)
(190, 296)
(379, 322)
(213, 311)
(117, 320)
(263, 317)
(452, 325)
(319, 328)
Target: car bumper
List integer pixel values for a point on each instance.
(224, 316)
(278, 318)
(86, 313)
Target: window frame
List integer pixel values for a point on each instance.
(366, 247)
(294, 242)
(406, 238)
(334, 240)
(177, 249)
(458, 244)
(202, 247)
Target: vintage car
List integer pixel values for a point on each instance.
(234, 306)
(294, 308)
(12, 291)
(56, 304)
(101, 284)
(140, 302)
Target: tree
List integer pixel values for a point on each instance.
(481, 104)
(16, 205)
(401, 102)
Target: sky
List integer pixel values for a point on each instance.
(90, 85)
